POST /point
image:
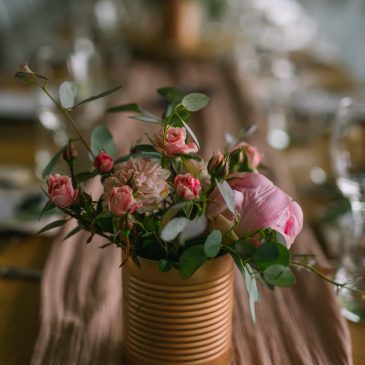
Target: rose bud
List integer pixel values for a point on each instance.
(187, 186)
(70, 153)
(217, 166)
(61, 191)
(103, 162)
(253, 155)
(121, 201)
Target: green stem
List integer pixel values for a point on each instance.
(326, 278)
(69, 118)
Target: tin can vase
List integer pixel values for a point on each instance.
(171, 321)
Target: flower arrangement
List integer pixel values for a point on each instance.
(163, 202)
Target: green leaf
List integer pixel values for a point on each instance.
(279, 238)
(213, 243)
(67, 93)
(132, 107)
(173, 228)
(47, 207)
(102, 140)
(190, 260)
(227, 194)
(146, 118)
(251, 287)
(164, 265)
(173, 211)
(51, 164)
(266, 253)
(98, 96)
(84, 176)
(195, 101)
(194, 228)
(143, 148)
(52, 225)
(193, 136)
(270, 253)
(73, 232)
(279, 275)
(176, 117)
(172, 94)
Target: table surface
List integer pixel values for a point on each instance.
(20, 300)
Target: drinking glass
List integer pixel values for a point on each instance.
(348, 155)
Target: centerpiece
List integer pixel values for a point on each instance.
(181, 223)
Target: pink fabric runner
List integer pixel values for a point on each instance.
(81, 289)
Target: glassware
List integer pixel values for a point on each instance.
(348, 156)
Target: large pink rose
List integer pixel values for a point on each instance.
(254, 156)
(148, 178)
(260, 204)
(187, 186)
(60, 190)
(175, 142)
(121, 200)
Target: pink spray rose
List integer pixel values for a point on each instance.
(175, 142)
(260, 204)
(121, 200)
(60, 190)
(254, 156)
(187, 186)
(103, 162)
(146, 176)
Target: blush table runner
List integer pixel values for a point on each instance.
(81, 321)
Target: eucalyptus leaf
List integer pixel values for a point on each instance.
(195, 101)
(190, 260)
(279, 275)
(194, 228)
(213, 243)
(52, 225)
(173, 211)
(67, 93)
(102, 140)
(227, 194)
(51, 164)
(172, 94)
(98, 96)
(146, 118)
(193, 136)
(173, 228)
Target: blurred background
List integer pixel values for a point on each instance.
(298, 59)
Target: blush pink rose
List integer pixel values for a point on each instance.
(254, 156)
(103, 162)
(148, 178)
(175, 142)
(60, 190)
(187, 186)
(260, 204)
(121, 201)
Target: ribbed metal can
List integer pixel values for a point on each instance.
(171, 321)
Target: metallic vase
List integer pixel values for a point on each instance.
(171, 321)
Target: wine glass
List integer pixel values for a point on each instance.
(348, 156)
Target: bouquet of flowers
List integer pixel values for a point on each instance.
(163, 202)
